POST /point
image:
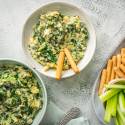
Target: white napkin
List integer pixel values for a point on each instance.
(54, 115)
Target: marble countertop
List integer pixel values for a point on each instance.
(108, 18)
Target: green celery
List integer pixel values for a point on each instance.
(124, 91)
(121, 82)
(115, 86)
(114, 105)
(120, 122)
(108, 94)
(122, 102)
(116, 121)
(122, 117)
(108, 111)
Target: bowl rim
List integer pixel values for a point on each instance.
(94, 88)
(87, 19)
(41, 82)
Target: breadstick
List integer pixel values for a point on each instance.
(109, 69)
(60, 65)
(122, 67)
(103, 80)
(114, 60)
(119, 72)
(123, 52)
(71, 61)
(123, 60)
(118, 62)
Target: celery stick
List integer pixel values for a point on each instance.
(115, 86)
(122, 102)
(108, 94)
(114, 105)
(119, 119)
(116, 121)
(121, 82)
(108, 111)
(124, 91)
(121, 114)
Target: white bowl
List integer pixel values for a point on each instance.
(68, 9)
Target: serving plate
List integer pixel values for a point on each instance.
(96, 102)
(41, 112)
(68, 9)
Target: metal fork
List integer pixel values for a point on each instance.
(71, 114)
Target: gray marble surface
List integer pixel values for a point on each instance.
(108, 18)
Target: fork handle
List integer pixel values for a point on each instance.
(71, 114)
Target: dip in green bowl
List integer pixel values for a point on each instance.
(21, 95)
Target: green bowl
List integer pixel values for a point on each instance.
(41, 112)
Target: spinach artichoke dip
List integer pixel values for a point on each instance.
(53, 32)
(20, 96)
